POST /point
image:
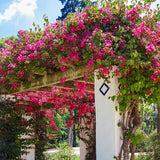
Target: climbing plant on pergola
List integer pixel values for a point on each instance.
(117, 34)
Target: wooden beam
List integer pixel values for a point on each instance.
(52, 79)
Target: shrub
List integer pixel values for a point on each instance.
(151, 146)
(64, 153)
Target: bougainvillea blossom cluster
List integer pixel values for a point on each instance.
(78, 101)
(122, 40)
(95, 37)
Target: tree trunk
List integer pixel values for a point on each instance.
(131, 122)
(70, 137)
(158, 119)
(133, 151)
(125, 148)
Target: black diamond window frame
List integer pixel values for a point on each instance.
(107, 89)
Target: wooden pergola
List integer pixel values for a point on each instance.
(46, 82)
(107, 132)
(53, 79)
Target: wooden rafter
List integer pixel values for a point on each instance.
(53, 79)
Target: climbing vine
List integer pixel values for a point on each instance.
(77, 101)
(23, 127)
(116, 34)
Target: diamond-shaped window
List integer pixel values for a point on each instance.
(104, 89)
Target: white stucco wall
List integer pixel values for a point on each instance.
(82, 150)
(30, 155)
(7, 97)
(31, 152)
(108, 134)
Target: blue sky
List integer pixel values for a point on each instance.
(18, 15)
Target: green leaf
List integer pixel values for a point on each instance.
(130, 62)
(99, 61)
(113, 98)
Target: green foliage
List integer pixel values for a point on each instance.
(64, 153)
(142, 157)
(150, 145)
(40, 138)
(143, 141)
(60, 120)
(61, 135)
(149, 117)
(155, 145)
(2, 45)
(2, 41)
(15, 122)
(12, 145)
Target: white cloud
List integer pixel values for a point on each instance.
(24, 7)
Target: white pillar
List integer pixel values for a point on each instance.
(108, 134)
(30, 155)
(84, 134)
(31, 152)
(82, 150)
